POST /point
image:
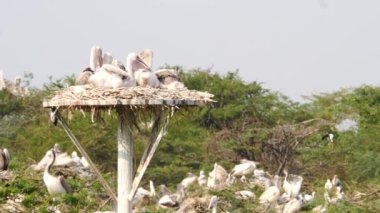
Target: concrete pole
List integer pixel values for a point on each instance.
(125, 160)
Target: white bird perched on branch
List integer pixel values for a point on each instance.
(96, 60)
(55, 185)
(292, 184)
(4, 159)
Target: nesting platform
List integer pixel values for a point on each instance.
(137, 97)
(128, 103)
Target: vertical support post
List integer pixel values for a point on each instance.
(125, 160)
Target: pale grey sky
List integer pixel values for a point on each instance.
(297, 47)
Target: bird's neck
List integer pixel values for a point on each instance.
(47, 169)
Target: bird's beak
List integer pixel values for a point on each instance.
(143, 63)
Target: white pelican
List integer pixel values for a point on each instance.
(4, 159)
(294, 205)
(245, 194)
(107, 58)
(172, 200)
(84, 76)
(142, 194)
(110, 76)
(308, 198)
(292, 184)
(190, 179)
(96, 58)
(134, 63)
(217, 177)
(202, 179)
(328, 185)
(213, 204)
(169, 79)
(147, 56)
(146, 78)
(243, 169)
(271, 193)
(54, 185)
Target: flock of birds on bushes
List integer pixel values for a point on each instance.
(282, 194)
(106, 72)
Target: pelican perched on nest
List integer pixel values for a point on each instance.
(110, 76)
(292, 184)
(84, 76)
(146, 78)
(54, 184)
(4, 159)
(169, 79)
(141, 71)
(96, 60)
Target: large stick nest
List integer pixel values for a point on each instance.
(87, 95)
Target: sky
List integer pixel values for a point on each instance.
(296, 47)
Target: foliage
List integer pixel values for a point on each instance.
(245, 118)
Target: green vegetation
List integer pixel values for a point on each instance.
(241, 124)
